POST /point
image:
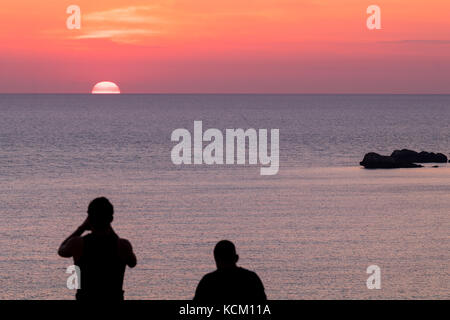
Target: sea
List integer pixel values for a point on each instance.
(310, 232)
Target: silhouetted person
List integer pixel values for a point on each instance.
(229, 282)
(101, 255)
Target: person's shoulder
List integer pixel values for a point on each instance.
(210, 276)
(125, 244)
(248, 273)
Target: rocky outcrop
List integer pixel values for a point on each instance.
(374, 160)
(406, 155)
(401, 159)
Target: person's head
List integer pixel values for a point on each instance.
(225, 254)
(100, 213)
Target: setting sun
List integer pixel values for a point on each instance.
(106, 87)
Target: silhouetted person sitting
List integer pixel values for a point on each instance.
(229, 282)
(101, 255)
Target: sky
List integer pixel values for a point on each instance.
(226, 46)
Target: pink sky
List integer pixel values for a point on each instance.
(234, 46)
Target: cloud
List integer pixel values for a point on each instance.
(133, 14)
(97, 34)
(126, 24)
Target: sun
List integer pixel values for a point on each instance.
(105, 87)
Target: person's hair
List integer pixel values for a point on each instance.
(100, 213)
(225, 251)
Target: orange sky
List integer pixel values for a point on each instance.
(261, 46)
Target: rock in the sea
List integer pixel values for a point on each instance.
(374, 160)
(406, 155)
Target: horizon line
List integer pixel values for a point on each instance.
(218, 93)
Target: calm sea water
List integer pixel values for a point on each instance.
(309, 232)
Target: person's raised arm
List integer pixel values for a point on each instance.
(128, 254)
(68, 246)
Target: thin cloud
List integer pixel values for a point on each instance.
(417, 41)
(134, 14)
(126, 24)
(98, 34)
